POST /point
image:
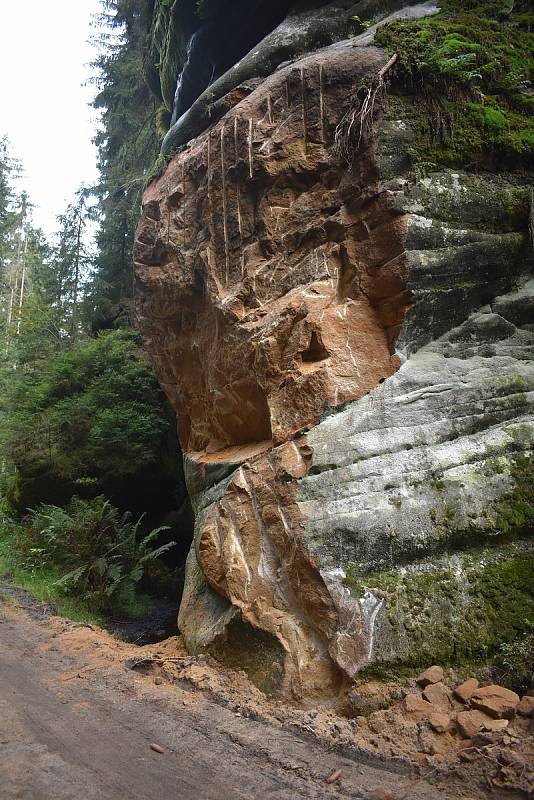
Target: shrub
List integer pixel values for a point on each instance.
(100, 551)
(87, 420)
(514, 661)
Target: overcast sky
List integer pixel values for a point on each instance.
(44, 96)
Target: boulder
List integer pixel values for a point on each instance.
(440, 722)
(465, 690)
(439, 695)
(526, 706)
(496, 701)
(472, 722)
(431, 675)
(417, 708)
(349, 405)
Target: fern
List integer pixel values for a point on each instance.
(101, 550)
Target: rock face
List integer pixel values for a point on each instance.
(350, 361)
(260, 310)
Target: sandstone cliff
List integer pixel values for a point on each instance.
(348, 348)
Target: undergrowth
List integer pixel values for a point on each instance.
(42, 584)
(86, 553)
(470, 70)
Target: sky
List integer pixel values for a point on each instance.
(44, 95)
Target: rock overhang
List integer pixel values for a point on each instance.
(279, 293)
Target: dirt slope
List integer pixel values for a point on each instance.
(77, 721)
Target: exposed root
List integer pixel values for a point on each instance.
(355, 128)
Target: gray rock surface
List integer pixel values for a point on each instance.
(299, 33)
(396, 530)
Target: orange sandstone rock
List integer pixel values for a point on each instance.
(433, 674)
(418, 708)
(526, 706)
(472, 722)
(271, 281)
(465, 690)
(498, 702)
(439, 695)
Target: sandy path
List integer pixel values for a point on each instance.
(76, 723)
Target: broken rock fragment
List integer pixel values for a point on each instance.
(498, 702)
(440, 722)
(433, 674)
(439, 695)
(526, 706)
(465, 690)
(472, 722)
(418, 708)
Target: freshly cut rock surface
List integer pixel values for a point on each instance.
(465, 690)
(440, 722)
(497, 701)
(472, 722)
(416, 707)
(431, 675)
(439, 695)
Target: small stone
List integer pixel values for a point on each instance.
(496, 725)
(469, 723)
(498, 702)
(334, 776)
(484, 738)
(438, 694)
(158, 680)
(509, 759)
(466, 755)
(465, 690)
(526, 706)
(439, 722)
(380, 794)
(335, 729)
(417, 707)
(433, 674)
(157, 748)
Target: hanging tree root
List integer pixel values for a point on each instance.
(356, 126)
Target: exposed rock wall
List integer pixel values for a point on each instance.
(350, 361)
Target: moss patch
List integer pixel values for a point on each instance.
(515, 511)
(471, 68)
(451, 610)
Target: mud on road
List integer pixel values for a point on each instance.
(79, 711)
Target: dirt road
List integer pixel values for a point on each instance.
(69, 730)
(76, 722)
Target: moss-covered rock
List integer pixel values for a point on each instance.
(451, 609)
(471, 70)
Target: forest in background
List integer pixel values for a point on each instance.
(89, 455)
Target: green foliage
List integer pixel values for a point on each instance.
(203, 8)
(127, 145)
(471, 69)
(81, 415)
(515, 661)
(167, 47)
(98, 551)
(451, 611)
(515, 511)
(163, 120)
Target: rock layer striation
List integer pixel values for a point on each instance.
(350, 360)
